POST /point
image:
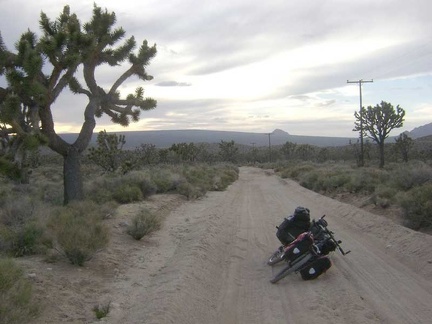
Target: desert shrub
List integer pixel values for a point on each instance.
(102, 310)
(13, 214)
(332, 182)
(144, 223)
(203, 178)
(101, 189)
(229, 175)
(190, 191)
(309, 179)
(22, 230)
(143, 180)
(127, 193)
(383, 195)
(148, 187)
(199, 176)
(417, 206)
(361, 182)
(285, 173)
(127, 188)
(23, 240)
(100, 195)
(297, 170)
(52, 193)
(79, 230)
(16, 304)
(165, 180)
(10, 169)
(409, 176)
(5, 193)
(385, 191)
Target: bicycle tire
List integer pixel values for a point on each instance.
(297, 265)
(275, 258)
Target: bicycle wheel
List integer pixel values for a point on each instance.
(292, 267)
(276, 257)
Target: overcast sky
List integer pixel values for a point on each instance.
(256, 66)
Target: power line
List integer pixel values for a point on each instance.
(360, 82)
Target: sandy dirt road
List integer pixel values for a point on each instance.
(208, 264)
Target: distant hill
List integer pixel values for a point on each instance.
(421, 131)
(165, 138)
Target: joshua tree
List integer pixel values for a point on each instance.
(228, 151)
(377, 123)
(108, 152)
(68, 55)
(404, 144)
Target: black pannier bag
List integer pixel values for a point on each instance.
(294, 225)
(315, 268)
(283, 232)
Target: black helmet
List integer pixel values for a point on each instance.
(302, 213)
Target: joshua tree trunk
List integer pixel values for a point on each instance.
(381, 154)
(73, 185)
(72, 179)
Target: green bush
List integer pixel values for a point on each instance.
(23, 240)
(417, 206)
(410, 176)
(101, 195)
(100, 190)
(52, 193)
(127, 193)
(17, 214)
(385, 191)
(16, 305)
(10, 169)
(147, 187)
(102, 310)
(198, 179)
(190, 191)
(141, 179)
(309, 180)
(361, 182)
(334, 182)
(285, 173)
(200, 176)
(300, 169)
(165, 180)
(22, 232)
(79, 231)
(144, 223)
(228, 177)
(384, 195)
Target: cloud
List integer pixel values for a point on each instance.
(173, 84)
(257, 66)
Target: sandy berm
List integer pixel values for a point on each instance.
(208, 265)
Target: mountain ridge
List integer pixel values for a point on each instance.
(166, 138)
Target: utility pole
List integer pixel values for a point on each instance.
(360, 82)
(253, 152)
(269, 134)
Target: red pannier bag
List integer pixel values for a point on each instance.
(301, 245)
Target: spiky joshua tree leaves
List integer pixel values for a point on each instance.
(378, 122)
(20, 134)
(68, 55)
